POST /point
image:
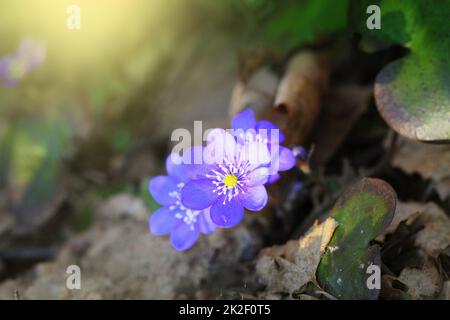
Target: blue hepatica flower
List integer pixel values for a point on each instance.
(28, 57)
(211, 186)
(232, 178)
(184, 225)
(247, 129)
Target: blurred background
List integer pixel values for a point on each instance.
(95, 106)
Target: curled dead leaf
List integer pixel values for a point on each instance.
(257, 93)
(445, 293)
(435, 234)
(415, 157)
(422, 283)
(393, 289)
(288, 267)
(299, 92)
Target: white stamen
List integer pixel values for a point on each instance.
(239, 170)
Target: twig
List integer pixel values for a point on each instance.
(326, 294)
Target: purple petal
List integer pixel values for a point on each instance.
(175, 168)
(256, 153)
(242, 135)
(227, 215)
(220, 145)
(31, 53)
(205, 224)
(193, 155)
(162, 221)
(198, 194)
(197, 171)
(258, 176)
(184, 236)
(273, 178)
(254, 198)
(282, 159)
(5, 72)
(25, 47)
(300, 152)
(244, 120)
(265, 128)
(5, 63)
(9, 82)
(160, 188)
(275, 159)
(193, 166)
(287, 159)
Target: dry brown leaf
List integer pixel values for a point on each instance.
(403, 211)
(444, 262)
(445, 293)
(435, 235)
(288, 267)
(428, 160)
(422, 283)
(257, 93)
(297, 97)
(393, 289)
(306, 297)
(299, 93)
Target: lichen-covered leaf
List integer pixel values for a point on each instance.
(422, 283)
(362, 213)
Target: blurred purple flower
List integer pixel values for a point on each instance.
(300, 153)
(28, 57)
(184, 225)
(247, 129)
(231, 179)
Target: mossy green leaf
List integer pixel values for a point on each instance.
(362, 212)
(412, 93)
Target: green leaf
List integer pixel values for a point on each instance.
(84, 217)
(6, 147)
(145, 195)
(38, 150)
(121, 139)
(298, 22)
(110, 190)
(412, 93)
(362, 212)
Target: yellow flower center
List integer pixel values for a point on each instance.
(230, 181)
